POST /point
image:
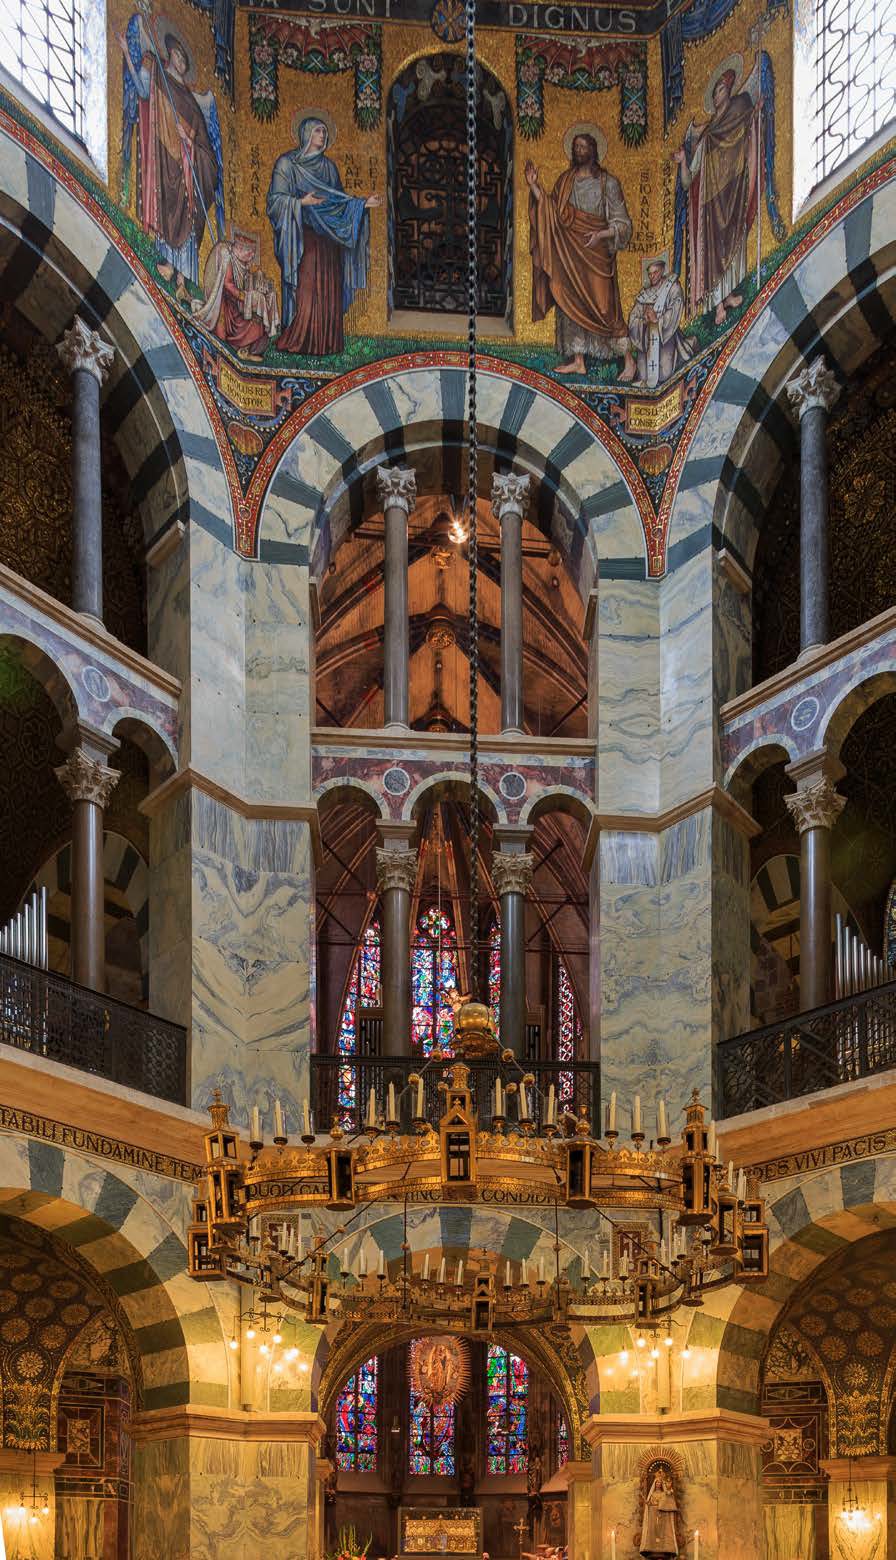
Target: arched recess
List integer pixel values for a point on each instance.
(837, 296)
(320, 472)
(121, 1236)
(126, 894)
(813, 1219)
(851, 704)
(57, 260)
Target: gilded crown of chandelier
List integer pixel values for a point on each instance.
(705, 1224)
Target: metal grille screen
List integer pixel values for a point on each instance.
(855, 77)
(41, 45)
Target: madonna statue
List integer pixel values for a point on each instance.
(658, 1539)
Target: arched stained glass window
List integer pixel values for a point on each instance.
(431, 1438)
(507, 1402)
(562, 1440)
(433, 976)
(494, 975)
(356, 1414)
(569, 1032)
(363, 992)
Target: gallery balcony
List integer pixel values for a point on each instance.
(842, 1042)
(50, 1016)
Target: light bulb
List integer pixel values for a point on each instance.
(303, 1365)
(640, 1341)
(668, 1340)
(33, 1517)
(45, 1510)
(609, 1370)
(265, 1348)
(686, 1352)
(234, 1344)
(623, 1357)
(654, 1353)
(250, 1332)
(278, 1337)
(292, 1354)
(278, 1365)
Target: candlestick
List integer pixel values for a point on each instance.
(425, 1265)
(712, 1148)
(442, 1271)
(278, 1119)
(741, 1185)
(586, 1267)
(662, 1125)
(524, 1103)
(256, 1124)
(499, 1103)
(636, 1116)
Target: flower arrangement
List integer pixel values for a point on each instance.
(349, 1546)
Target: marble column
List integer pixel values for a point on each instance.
(88, 781)
(510, 496)
(397, 492)
(396, 874)
(812, 394)
(88, 359)
(512, 876)
(869, 1482)
(815, 807)
(24, 1539)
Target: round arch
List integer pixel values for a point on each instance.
(761, 755)
(449, 785)
(38, 663)
(858, 696)
(135, 1251)
(319, 474)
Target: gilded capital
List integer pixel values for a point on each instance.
(512, 873)
(86, 779)
(84, 348)
(396, 869)
(396, 488)
(815, 385)
(816, 805)
(510, 495)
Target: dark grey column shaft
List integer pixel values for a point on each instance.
(512, 874)
(397, 492)
(510, 494)
(813, 393)
(396, 875)
(815, 807)
(88, 358)
(89, 783)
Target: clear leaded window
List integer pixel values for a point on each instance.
(42, 45)
(854, 83)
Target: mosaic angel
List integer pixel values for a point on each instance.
(180, 165)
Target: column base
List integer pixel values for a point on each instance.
(94, 621)
(397, 728)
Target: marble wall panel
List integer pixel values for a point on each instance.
(790, 1531)
(279, 693)
(686, 682)
(732, 658)
(628, 682)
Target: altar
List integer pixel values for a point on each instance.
(440, 1530)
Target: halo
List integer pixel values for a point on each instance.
(299, 117)
(649, 260)
(163, 27)
(734, 62)
(585, 128)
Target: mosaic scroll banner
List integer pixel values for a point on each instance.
(581, 65)
(275, 40)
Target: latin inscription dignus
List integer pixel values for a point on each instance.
(519, 15)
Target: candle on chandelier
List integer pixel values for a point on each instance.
(362, 1264)
(507, 1275)
(278, 1119)
(541, 1270)
(696, 1544)
(381, 1264)
(390, 1104)
(524, 1271)
(499, 1103)
(442, 1271)
(606, 1269)
(306, 1118)
(612, 1544)
(586, 1266)
(418, 1109)
(712, 1146)
(425, 1266)
(459, 1277)
(662, 1124)
(636, 1116)
(524, 1103)
(741, 1185)
(731, 1175)
(611, 1118)
(552, 1107)
(256, 1124)
(371, 1110)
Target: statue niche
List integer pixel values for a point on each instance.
(660, 1534)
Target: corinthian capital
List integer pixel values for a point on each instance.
(512, 873)
(396, 869)
(816, 805)
(84, 348)
(510, 495)
(815, 385)
(86, 779)
(396, 488)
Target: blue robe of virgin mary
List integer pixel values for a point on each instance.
(341, 218)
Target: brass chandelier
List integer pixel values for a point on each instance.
(705, 1225)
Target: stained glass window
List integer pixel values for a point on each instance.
(356, 1435)
(562, 1440)
(431, 1437)
(494, 975)
(507, 1394)
(433, 976)
(569, 1032)
(363, 992)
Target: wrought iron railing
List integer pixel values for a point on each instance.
(50, 1016)
(340, 1087)
(810, 1051)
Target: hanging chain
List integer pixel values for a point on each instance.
(473, 483)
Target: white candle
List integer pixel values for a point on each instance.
(362, 1264)
(256, 1124)
(636, 1115)
(606, 1267)
(586, 1267)
(524, 1271)
(611, 1127)
(664, 1258)
(381, 1264)
(731, 1175)
(499, 1103)
(696, 1544)
(741, 1185)
(418, 1110)
(662, 1124)
(442, 1271)
(506, 1275)
(460, 1274)
(426, 1265)
(552, 1106)
(306, 1118)
(712, 1143)
(524, 1103)
(541, 1270)
(278, 1120)
(371, 1110)
(390, 1104)
(612, 1544)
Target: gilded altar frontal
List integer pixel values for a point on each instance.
(447, 843)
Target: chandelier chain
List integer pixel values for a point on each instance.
(472, 483)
